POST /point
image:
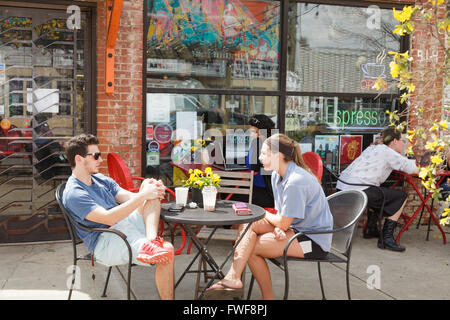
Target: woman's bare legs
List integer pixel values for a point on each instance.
(267, 246)
(243, 251)
(258, 243)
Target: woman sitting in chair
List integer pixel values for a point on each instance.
(301, 205)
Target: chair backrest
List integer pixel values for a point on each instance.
(119, 171)
(234, 182)
(69, 220)
(314, 162)
(346, 207)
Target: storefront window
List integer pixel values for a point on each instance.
(335, 55)
(175, 122)
(213, 45)
(339, 48)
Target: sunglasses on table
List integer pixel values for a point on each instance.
(96, 155)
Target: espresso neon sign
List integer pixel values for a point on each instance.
(355, 118)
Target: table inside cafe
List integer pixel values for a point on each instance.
(223, 215)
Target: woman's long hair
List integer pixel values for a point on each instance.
(289, 148)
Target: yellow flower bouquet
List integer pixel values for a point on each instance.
(199, 179)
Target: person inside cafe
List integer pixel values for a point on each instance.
(261, 127)
(373, 167)
(301, 206)
(95, 200)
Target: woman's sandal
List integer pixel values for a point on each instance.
(220, 291)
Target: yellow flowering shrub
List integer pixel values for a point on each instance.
(433, 135)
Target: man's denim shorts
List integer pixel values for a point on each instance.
(111, 249)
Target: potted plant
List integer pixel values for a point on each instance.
(198, 180)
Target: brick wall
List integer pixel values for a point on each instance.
(119, 116)
(426, 54)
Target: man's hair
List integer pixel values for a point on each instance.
(78, 145)
(389, 134)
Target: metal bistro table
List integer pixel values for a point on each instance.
(223, 215)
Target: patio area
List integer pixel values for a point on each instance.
(41, 271)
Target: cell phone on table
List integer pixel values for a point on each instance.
(241, 209)
(176, 207)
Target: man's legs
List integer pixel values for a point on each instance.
(164, 277)
(164, 274)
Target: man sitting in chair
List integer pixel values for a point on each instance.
(95, 200)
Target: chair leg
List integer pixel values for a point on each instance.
(129, 282)
(286, 281)
(347, 276)
(106, 284)
(74, 271)
(250, 287)
(321, 281)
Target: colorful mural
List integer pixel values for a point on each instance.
(249, 28)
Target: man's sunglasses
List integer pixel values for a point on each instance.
(95, 155)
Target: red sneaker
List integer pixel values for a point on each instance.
(152, 252)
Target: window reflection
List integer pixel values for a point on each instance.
(219, 44)
(339, 49)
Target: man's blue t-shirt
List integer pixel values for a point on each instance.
(80, 199)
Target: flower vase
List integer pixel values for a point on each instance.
(197, 197)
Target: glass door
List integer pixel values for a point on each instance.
(43, 102)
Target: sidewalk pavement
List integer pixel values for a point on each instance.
(41, 271)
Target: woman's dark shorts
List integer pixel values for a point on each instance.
(316, 250)
(394, 199)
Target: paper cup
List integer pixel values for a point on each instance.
(181, 195)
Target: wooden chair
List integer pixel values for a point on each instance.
(232, 182)
(119, 171)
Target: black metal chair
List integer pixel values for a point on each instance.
(380, 190)
(346, 207)
(76, 240)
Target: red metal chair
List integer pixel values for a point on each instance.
(119, 171)
(314, 162)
